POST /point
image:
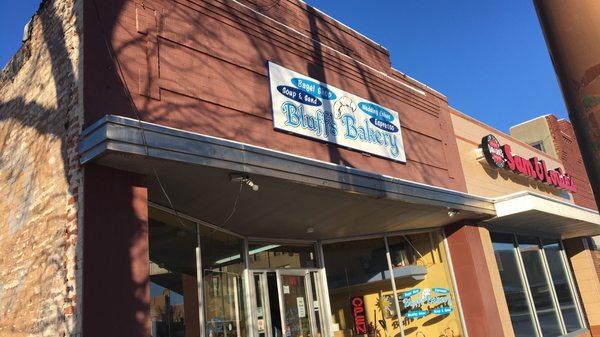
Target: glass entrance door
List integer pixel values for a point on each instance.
(287, 303)
(294, 299)
(222, 293)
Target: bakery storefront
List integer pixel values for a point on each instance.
(344, 287)
(276, 178)
(268, 244)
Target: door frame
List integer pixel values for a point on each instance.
(265, 300)
(306, 272)
(238, 280)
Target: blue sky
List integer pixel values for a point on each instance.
(488, 57)
(13, 17)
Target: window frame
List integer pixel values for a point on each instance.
(572, 285)
(539, 143)
(385, 237)
(568, 271)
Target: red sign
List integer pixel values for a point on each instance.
(501, 156)
(358, 312)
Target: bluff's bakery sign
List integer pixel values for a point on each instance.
(314, 109)
(501, 156)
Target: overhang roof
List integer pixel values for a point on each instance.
(298, 192)
(295, 192)
(532, 212)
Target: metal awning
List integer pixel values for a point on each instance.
(529, 212)
(295, 192)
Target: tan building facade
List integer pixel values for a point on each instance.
(529, 140)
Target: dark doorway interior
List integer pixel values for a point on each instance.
(274, 304)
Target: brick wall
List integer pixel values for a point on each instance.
(568, 152)
(201, 66)
(40, 122)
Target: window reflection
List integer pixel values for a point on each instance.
(166, 312)
(173, 283)
(546, 274)
(558, 271)
(425, 292)
(360, 288)
(273, 256)
(539, 286)
(222, 266)
(514, 288)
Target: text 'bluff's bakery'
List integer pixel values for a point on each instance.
(284, 180)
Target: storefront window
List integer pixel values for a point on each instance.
(222, 266)
(549, 289)
(424, 285)
(275, 256)
(361, 294)
(558, 272)
(514, 287)
(539, 286)
(358, 289)
(173, 282)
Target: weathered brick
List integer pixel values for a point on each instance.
(39, 202)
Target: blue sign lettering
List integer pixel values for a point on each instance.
(322, 123)
(416, 313)
(313, 88)
(442, 311)
(367, 134)
(411, 292)
(298, 95)
(441, 290)
(376, 111)
(383, 125)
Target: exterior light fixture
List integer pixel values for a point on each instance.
(453, 212)
(242, 178)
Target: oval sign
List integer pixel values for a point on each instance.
(411, 292)
(441, 290)
(313, 88)
(492, 151)
(442, 310)
(376, 111)
(416, 314)
(298, 95)
(383, 125)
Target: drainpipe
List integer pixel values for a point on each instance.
(572, 32)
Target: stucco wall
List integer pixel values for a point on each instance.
(535, 131)
(484, 180)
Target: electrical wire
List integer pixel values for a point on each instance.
(233, 209)
(135, 110)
